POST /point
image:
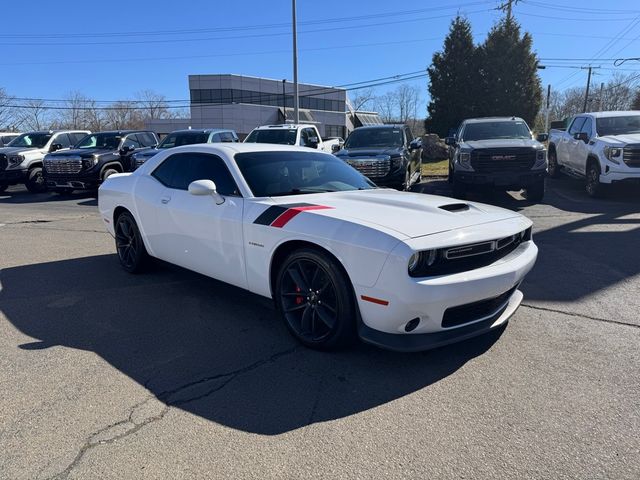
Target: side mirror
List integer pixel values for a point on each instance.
(125, 150)
(313, 142)
(415, 145)
(206, 187)
(542, 137)
(55, 147)
(335, 148)
(581, 136)
(451, 141)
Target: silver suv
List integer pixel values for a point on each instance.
(22, 161)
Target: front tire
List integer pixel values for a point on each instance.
(314, 297)
(35, 181)
(108, 172)
(592, 183)
(132, 253)
(554, 168)
(535, 192)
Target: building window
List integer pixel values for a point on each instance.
(228, 96)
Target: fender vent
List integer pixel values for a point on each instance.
(455, 207)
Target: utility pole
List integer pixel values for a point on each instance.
(507, 7)
(296, 106)
(586, 94)
(284, 100)
(546, 116)
(601, 96)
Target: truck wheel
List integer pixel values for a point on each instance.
(593, 185)
(535, 191)
(35, 181)
(554, 168)
(459, 189)
(108, 172)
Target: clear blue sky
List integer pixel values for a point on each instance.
(110, 50)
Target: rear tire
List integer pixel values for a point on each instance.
(130, 247)
(535, 192)
(315, 299)
(35, 181)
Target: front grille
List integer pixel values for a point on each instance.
(63, 165)
(631, 156)
(3, 161)
(499, 160)
(471, 312)
(371, 167)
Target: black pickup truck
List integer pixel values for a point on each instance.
(94, 158)
(497, 152)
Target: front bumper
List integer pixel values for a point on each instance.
(400, 299)
(514, 180)
(393, 179)
(76, 182)
(626, 176)
(13, 176)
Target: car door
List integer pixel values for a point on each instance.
(568, 144)
(193, 231)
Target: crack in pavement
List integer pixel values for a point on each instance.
(580, 315)
(155, 407)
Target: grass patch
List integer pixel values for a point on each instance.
(440, 167)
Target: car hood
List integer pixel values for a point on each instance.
(409, 215)
(502, 143)
(625, 139)
(80, 152)
(369, 152)
(14, 150)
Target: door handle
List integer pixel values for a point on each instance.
(165, 200)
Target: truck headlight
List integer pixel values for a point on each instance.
(396, 161)
(15, 160)
(611, 153)
(464, 160)
(541, 159)
(90, 162)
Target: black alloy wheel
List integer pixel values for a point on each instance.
(315, 300)
(35, 181)
(593, 185)
(129, 245)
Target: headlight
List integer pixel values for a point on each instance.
(421, 260)
(541, 159)
(611, 153)
(89, 162)
(16, 160)
(396, 161)
(464, 160)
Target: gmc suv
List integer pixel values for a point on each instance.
(387, 154)
(22, 161)
(94, 158)
(498, 152)
(185, 137)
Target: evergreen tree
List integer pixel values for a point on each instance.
(453, 80)
(510, 82)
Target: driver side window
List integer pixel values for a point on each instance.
(576, 125)
(587, 127)
(131, 141)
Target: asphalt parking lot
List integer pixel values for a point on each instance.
(173, 375)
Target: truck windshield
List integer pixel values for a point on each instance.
(183, 138)
(618, 125)
(33, 140)
(375, 137)
(280, 136)
(106, 141)
(495, 130)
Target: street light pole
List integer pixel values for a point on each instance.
(296, 109)
(284, 100)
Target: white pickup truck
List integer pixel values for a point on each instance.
(603, 148)
(289, 134)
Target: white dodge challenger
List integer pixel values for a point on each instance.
(340, 257)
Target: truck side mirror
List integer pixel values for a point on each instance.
(313, 142)
(415, 145)
(335, 148)
(451, 141)
(542, 137)
(55, 147)
(581, 136)
(126, 149)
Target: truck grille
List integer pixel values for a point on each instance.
(499, 160)
(631, 155)
(3, 161)
(371, 167)
(63, 165)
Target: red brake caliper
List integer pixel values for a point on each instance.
(299, 300)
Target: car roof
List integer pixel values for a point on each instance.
(51, 132)
(233, 148)
(379, 127)
(287, 126)
(203, 130)
(493, 119)
(623, 113)
(123, 132)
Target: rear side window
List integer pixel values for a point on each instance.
(228, 137)
(180, 169)
(576, 125)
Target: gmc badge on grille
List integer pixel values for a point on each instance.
(503, 157)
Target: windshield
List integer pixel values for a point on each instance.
(33, 140)
(280, 136)
(618, 125)
(274, 174)
(106, 141)
(495, 130)
(374, 137)
(183, 138)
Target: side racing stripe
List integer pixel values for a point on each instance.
(279, 215)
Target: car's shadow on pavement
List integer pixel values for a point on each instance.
(20, 196)
(209, 348)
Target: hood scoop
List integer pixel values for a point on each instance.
(455, 207)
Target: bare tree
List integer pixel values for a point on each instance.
(8, 112)
(34, 116)
(363, 99)
(385, 104)
(76, 111)
(407, 98)
(123, 114)
(152, 105)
